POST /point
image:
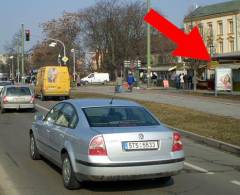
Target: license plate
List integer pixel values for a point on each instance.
(141, 145)
(19, 100)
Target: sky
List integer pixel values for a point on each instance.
(32, 13)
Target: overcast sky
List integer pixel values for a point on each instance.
(33, 12)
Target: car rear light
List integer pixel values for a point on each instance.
(97, 147)
(177, 143)
(32, 100)
(5, 100)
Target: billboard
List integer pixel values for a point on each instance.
(224, 79)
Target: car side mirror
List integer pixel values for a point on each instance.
(39, 117)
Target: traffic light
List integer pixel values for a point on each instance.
(27, 35)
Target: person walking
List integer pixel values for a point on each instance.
(189, 82)
(177, 81)
(181, 81)
(130, 81)
(119, 82)
(185, 78)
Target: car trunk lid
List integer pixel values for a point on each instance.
(131, 144)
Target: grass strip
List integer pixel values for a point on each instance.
(222, 128)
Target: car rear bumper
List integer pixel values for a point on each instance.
(17, 106)
(135, 171)
(52, 94)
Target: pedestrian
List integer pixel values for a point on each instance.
(78, 80)
(185, 78)
(130, 81)
(177, 81)
(119, 82)
(181, 81)
(189, 82)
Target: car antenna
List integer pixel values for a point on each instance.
(112, 97)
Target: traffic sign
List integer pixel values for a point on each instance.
(127, 63)
(65, 59)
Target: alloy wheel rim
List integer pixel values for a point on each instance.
(66, 170)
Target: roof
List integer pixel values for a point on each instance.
(83, 103)
(220, 8)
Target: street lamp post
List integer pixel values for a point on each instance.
(212, 53)
(148, 48)
(74, 63)
(11, 57)
(58, 41)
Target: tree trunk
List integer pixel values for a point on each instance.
(195, 80)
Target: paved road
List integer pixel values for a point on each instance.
(210, 105)
(207, 171)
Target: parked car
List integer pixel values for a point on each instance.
(96, 77)
(16, 97)
(101, 140)
(52, 81)
(4, 83)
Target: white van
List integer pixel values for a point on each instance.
(96, 78)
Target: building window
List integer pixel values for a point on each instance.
(230, 26)
(220, 28)
(231, 45)
(220, 47)
(200, 28)
(210, 30)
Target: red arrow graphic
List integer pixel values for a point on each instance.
(188, 45)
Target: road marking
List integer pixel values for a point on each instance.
(198, 168)
(235, 182)
(46, 109)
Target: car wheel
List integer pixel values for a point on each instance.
(33, 149)
(42, 97)
(69, 179)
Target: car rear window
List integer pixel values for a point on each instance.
(18, 91)
(119, 116)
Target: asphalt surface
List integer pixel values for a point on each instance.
(206, 170)
(222, 107)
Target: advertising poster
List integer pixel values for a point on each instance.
(165, 84)
(224, 79)
(52, 75)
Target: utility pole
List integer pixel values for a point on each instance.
(148, 48)
(18, 71)
(74, 64)
(23, 74)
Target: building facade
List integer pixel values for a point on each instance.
(3, 59)
(219, 26)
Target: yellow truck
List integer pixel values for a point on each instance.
(52, 81)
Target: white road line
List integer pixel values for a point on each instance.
(185, 163)
(198, 168)
(41, 107)
(235, 182)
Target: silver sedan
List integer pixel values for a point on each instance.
(102, 140)
(16, 97)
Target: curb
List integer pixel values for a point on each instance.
(209, 141)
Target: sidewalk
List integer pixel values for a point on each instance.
(212, 105)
